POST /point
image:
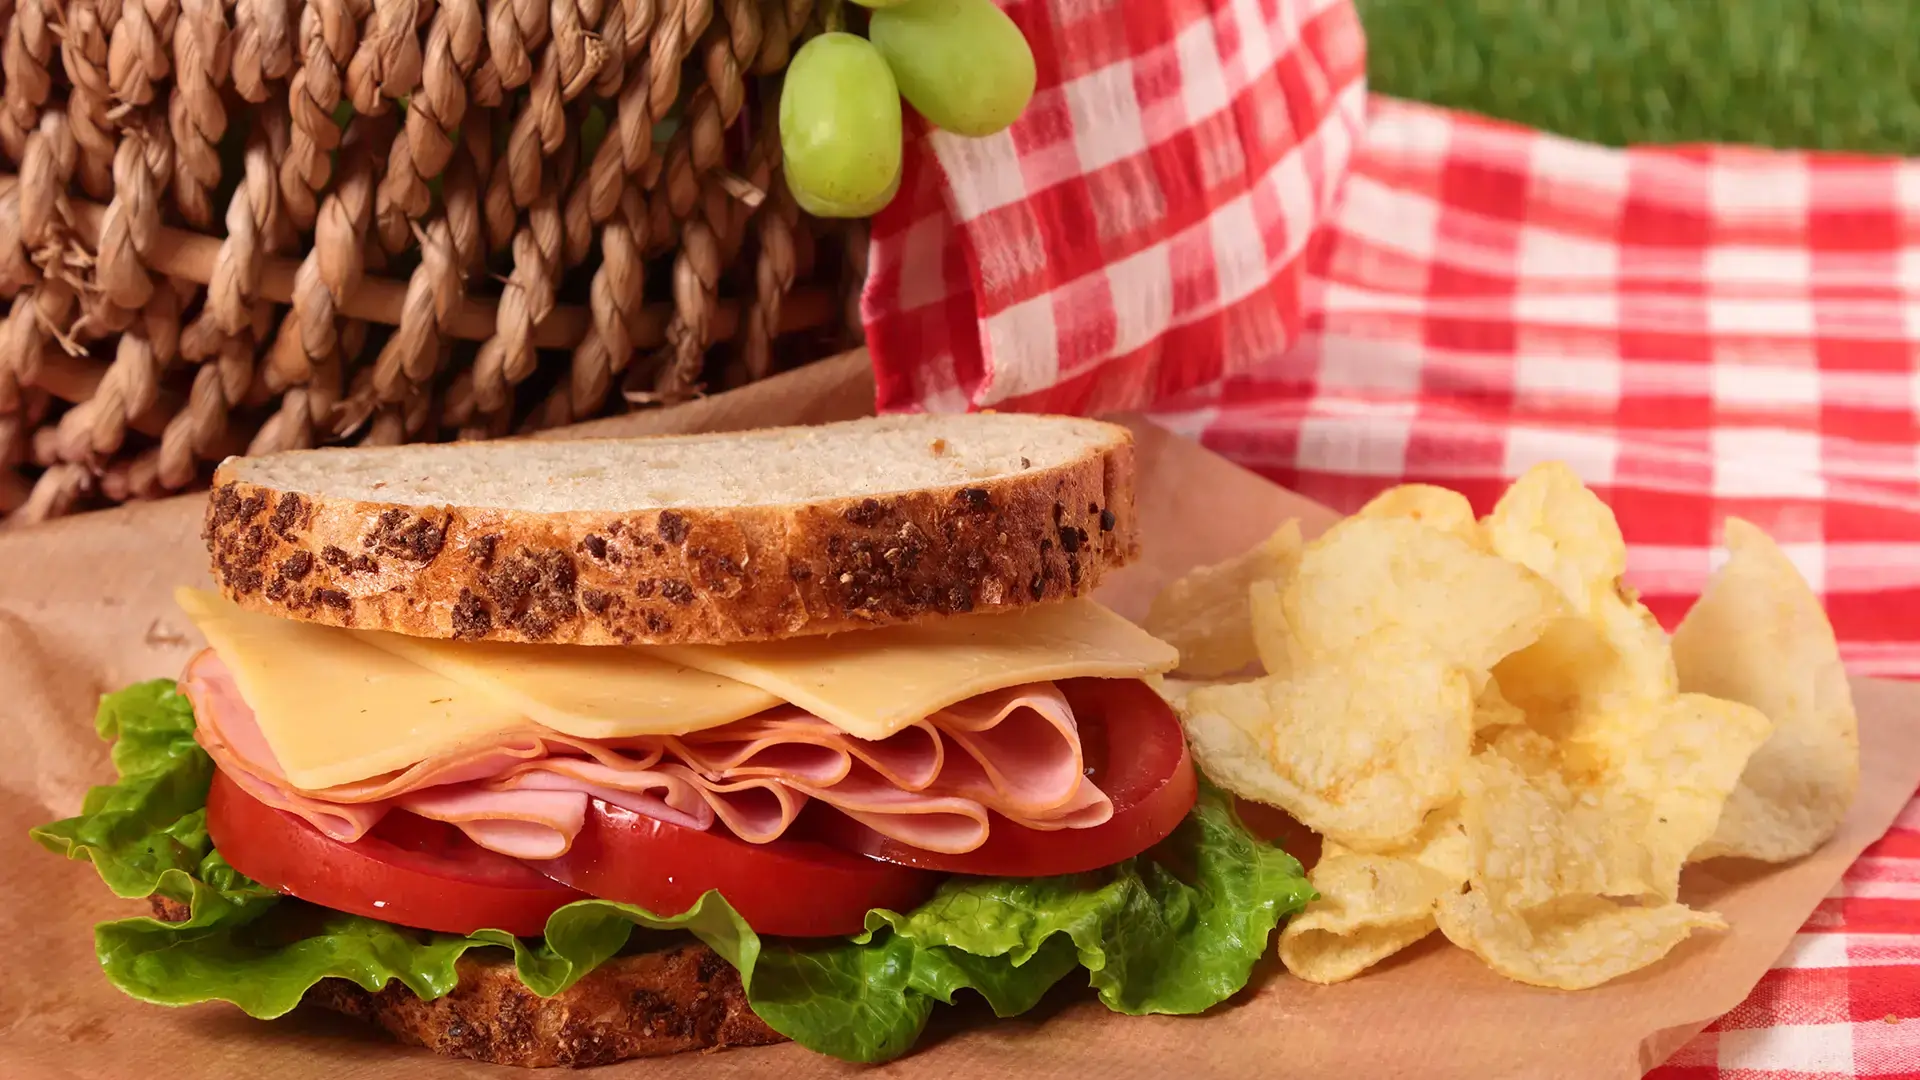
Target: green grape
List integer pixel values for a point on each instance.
(962, 63)
(881, 3)
(840, 127)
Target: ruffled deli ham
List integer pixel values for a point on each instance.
(937, 784)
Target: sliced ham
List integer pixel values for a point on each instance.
(1015, 739)
(224, 728)
(790, 742)
(949, 824)
(934, 785)
(527, 823)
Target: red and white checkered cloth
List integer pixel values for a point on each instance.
(1700, 332)
(1144, 223)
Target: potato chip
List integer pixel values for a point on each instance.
(1562, 676)
(1572, 944)
(1612, 812)
(1677, 764)
(1358, 747)
(1174, 690)
(1758, 636)
(1613, 656)
(1643, 654)
(1535, 837)
(1435, 507)
(1367, 575)
(1487, 729)
(1280, 652)
(1492, 710)
(1206, 614)
(1551, 524)
(1373, 905)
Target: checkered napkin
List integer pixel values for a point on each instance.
(1141, 228)
(1700, 332)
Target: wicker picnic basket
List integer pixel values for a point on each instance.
(252, 225)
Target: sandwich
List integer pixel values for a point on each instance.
(560, 753)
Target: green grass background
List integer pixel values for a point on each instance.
(1818, 74)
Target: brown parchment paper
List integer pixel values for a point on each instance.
(84, 608)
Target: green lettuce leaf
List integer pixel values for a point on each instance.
(147, 833)
(266, 964)
(1150, 942)
(1175, 930)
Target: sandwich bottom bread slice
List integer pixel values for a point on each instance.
(559, 754)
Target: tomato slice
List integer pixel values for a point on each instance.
(1134, 750)
(794, 888)
(408, 870)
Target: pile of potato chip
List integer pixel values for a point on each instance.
(1494, 737)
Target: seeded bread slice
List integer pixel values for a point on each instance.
(671, 1000)
(680, 539)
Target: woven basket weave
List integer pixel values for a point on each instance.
(254, 225)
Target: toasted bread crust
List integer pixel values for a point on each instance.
(684, 997)
(695, 575)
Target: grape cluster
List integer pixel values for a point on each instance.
(962, 63)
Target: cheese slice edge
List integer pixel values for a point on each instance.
(872, 683)
(334, 709)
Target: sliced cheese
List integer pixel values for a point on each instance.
(337, 706)
(335, 709)
(872, 683)
(588, 692)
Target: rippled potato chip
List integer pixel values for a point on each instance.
(1358, 747)
(1613, 813)
(1273, 638)
(1563, 675)
(1674, 766)
(1369, 575)
(1575, 943)
(1487, 729)
(1550, 523)
(1612, 655)
(1174, 690)
(1759, 636)
(1206, 614)
(1534, 836)
(1492, 711)
(1435, 507)
(1373, 905)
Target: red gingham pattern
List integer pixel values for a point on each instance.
(1145, 219)
(1700, 332)
(1845, 999)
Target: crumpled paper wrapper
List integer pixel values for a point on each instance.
(85, 608)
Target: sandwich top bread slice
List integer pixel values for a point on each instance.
(827, 713)
(702, 538)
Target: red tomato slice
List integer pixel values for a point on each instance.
(794, 888)
(1134, 750)
(408, 870)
